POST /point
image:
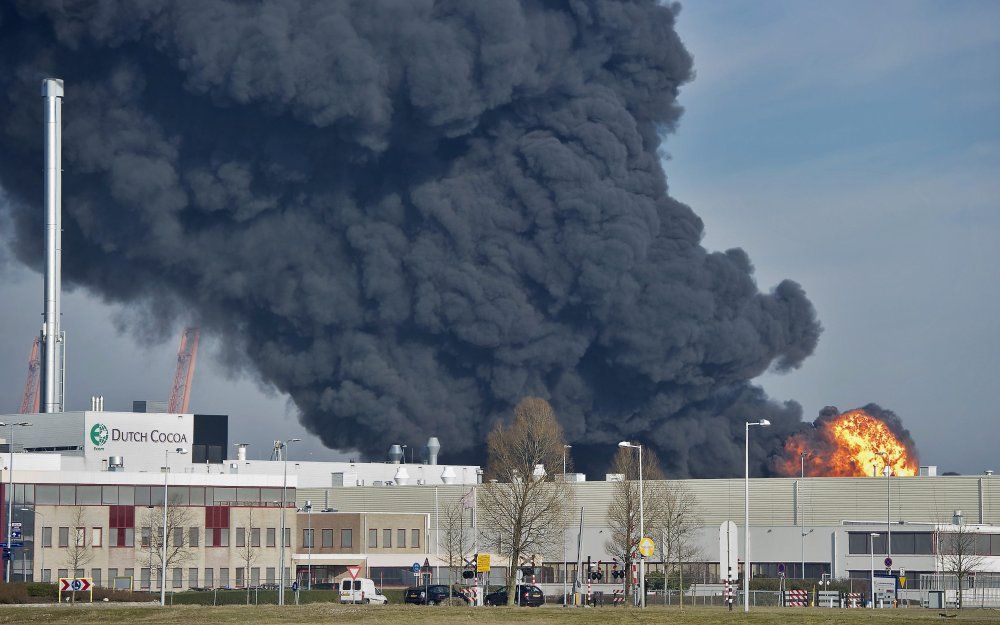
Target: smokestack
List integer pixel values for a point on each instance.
(52, 373)
(395, 454)
(433, 447)
(241, 451)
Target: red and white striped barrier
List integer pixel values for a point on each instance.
(852, 600)
(796, 598)
(618, 598)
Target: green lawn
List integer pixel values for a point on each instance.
(415, 615)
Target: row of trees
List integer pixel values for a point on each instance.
(526, 509)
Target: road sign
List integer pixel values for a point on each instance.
(483, 563)
(415, 568)
(295, 586)
(646, 546)
(888, 562)
(80, 584)
(781, 570)
(353, 571)
(15, 534)
(728, 560)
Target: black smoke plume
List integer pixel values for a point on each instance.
(406, 215)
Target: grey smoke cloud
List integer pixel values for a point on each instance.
(407, 216)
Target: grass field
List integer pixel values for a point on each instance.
(414, 615)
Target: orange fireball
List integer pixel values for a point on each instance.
(853, 443)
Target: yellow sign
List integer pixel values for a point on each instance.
(646, 546)
(902, 582)
(483, 563)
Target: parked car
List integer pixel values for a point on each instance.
(527, 595)
(361, 590)
(431, 595)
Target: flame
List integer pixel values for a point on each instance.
(849, 444)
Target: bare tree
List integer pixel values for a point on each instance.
(521, 502)
(455, 537)
(958, 553)
(678, 529)
(150, 554)
(623, 510)
(80, 551)
(246, 550)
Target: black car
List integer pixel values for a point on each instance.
(529, 596)
(429, 595)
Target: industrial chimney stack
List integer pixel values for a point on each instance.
(52, 339)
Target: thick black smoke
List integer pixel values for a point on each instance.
(406, 214)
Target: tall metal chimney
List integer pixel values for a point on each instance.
(433, 448)
(52, 339)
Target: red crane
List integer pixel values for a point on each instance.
(180, 391)
(29, 401)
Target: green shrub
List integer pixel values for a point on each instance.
(42, 589)
(13, 593)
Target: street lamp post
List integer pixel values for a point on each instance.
(887, 470)
(565, 588)
(10, 490)
(871, 541)
(281, 551)
(163, 541)
(642, 528)
(746, 509)
(802, 528)
(312, 539)
(37, 543)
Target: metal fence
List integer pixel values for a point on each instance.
(980, 590)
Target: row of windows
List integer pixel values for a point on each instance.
(76, 495)
(924, 543)
(387, 539)
(125, 537)
(326, 537)
(179, 577)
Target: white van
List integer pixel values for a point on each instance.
(361, 590)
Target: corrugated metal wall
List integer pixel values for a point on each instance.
(823, 501)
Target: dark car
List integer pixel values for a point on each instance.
(430, 595)
(529, 596)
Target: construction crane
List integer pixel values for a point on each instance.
(29, 401)
(180, 391)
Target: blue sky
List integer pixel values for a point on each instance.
(855, 147)
(852, 146)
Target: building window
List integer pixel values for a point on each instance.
(129, 573)
(224, 577)
(415, 538)
(217, 526)
(178, 578)
(255, 537)
(193, 577)
(255, 576)
(272, 534)
(269, 575)
(193, 536)
(178, 538)
(239, 576)
(346, 539)
(63, 573)
(96, 537)
(95, 576)
(129, 537)
(241, 539)
(47, 537)
(372, 539)
(307, 538)
(46, 575)
(401, 538)
(327, 537)
(112, 574)
(146, 537)
(80, 536)
(386, 539)
(209, 578)
(63, 539)
(144, 577)
(288, 537)
(121, 523)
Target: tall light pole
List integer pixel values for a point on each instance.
(642, 528)
(37, 543)
(312, 539)
(871, 541)
(802, 508)
(10, 491)
(888, 509)
(281, 551)
(746, 509)
(565, 588)
(163, 541)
